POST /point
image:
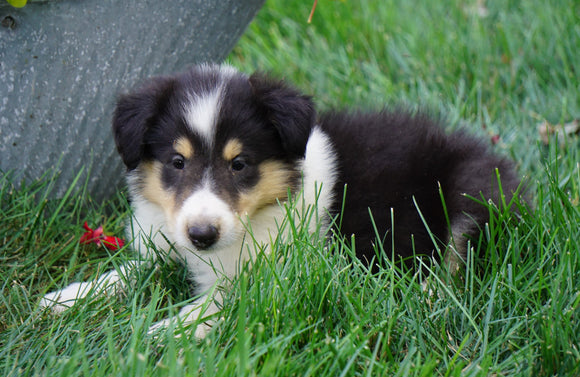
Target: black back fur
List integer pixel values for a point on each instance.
(399, 161)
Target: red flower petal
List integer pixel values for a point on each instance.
(112, 243)
(86, 226)
(97, 236)
(88, 236)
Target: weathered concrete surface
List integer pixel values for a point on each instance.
(63, 63)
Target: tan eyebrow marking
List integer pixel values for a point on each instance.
(183, 147)
(232, 149)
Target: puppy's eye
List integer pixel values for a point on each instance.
(238, 164)
(178, 161)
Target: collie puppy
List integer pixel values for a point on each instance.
(213, 154)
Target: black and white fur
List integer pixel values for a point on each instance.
(213, 152)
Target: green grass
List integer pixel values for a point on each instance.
(312, 311)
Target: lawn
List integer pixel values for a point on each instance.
(501, 70)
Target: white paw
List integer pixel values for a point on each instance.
(188, 315)
(158, 327)
(63, 299)
(200, 331)
(109, 283)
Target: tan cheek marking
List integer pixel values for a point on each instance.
(275, 178)
(232, 149)
(153, 190)
(183, 147)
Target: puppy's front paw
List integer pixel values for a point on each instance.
(63, 299)
(159, 327)
(60, 300)
(187, 316)
(200, 331)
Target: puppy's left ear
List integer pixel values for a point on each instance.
(291, 112)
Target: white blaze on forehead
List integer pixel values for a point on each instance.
(202, 109)
(201, 113)
(227, 71)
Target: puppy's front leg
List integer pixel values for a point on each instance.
(108, 283)
(204, 306)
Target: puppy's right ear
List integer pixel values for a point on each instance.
(132, 118)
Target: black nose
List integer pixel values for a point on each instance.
(202, 236)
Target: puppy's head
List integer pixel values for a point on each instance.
(210, 146)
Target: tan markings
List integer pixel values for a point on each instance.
(183, 147)
(232, 149)
(152, 188)
(275, 178)
(456, 252)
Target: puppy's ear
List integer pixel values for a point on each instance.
(291, 112)
(132, 118)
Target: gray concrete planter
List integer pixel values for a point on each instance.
(63, 63)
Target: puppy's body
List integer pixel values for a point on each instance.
(212, 153)
(396, 165)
